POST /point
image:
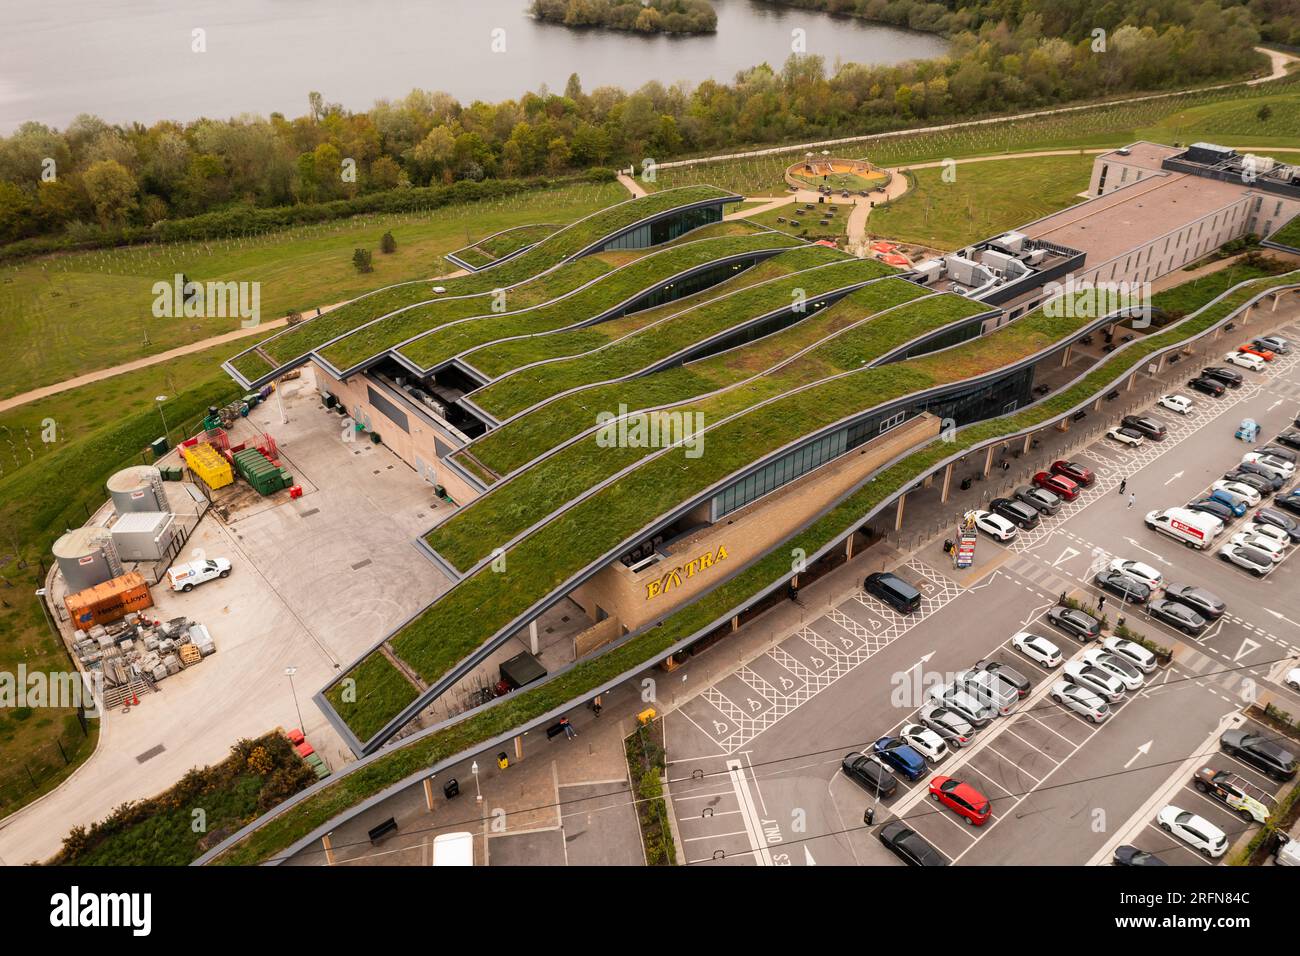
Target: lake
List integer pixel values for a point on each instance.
(130, 60)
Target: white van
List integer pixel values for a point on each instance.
(1288, 853)
(453, 849)
(1196, 529)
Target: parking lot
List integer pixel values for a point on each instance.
(761, 748)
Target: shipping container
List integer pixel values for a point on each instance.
(211, 467)
(110, 601)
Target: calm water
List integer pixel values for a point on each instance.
(131, 59)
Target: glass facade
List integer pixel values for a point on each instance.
(666, 229)
(963, 333)
(692, 284)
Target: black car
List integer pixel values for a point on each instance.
(1212, 507)
(1152, 428)
(1177, 615)
(1289, 500)
(1130, 590)
(1207, 386)
(869, 773)
(1017, 512)
(1008, 675)
(1260, 752)
(1203, 602)
(909, 846)
(1290, 439)
(1225, 375)
(1127, 855)
(1275, 480)
(1286, 454)
(1078, 624)
(1261, 484)
(1271, 516)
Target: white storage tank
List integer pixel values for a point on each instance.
(138, 488)
(86, 557)
(143, 535)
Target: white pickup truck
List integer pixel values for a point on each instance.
(184, 577)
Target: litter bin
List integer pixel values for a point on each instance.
(502, 760)
(451, 789)
(159, 446)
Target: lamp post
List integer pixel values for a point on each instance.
(289, 672)
(473, 768)
(166, 431)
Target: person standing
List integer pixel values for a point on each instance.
(1123, 483)
(1101, 603)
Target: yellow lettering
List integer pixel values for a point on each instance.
(652, 589)
(706, 560)
(722, 552)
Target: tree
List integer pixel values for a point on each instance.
(361, 259)
(112, 190)
(1264, 113)
(387, 244)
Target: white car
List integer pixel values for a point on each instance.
(1245, 360)
(924, 741)
(1240, 489)
(1125, 671)
(1257, 562)
(1195, 831)
(1125, 436)
(1139, 572)
(1292, 678)
(1038, 649)
(995, 526)
(1267, 531)
(1131, 651)
(1080, 700)
(1176, 403)
(1270, 546)
(1100, 682)
(1286, 468)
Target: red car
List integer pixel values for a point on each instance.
(1074, 471)
(962, 798)
(1252, 349)
(1058, 485)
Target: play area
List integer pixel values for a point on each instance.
(837, 175)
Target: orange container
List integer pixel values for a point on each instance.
(110, 601)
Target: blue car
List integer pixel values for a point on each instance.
(1235, 503)
(901, 756)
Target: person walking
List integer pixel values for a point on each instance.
(1101, 603)
(568, 728)
(1131, 498)
(1123, 483)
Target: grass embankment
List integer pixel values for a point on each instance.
(1288, 235)
(487, 251)
(525, 388)
(71, 313)
(546, 254)
(378, 688)
(641, 276)
(528, 704)
(983, 199)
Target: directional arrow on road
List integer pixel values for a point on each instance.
(1281, 617)
(808, 857)
(1148, 551)
(1174, 477)
(1141, 752)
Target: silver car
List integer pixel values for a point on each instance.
(947, 723)
(974, 710)
(1116, 666)
(1080, 700)
(1107, 685)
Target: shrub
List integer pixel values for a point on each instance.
(362, 260)
(387, 244)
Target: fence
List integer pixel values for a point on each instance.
(22, 780)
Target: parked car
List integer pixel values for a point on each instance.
(1126, 672)
(1131, 651)
(1147, 425)
(1281, 465)
(1039, 499)
(1274, 343)
(1262, 753)
(1257, 562)
(1038, 649)
(1195, 831)
(899, 755)
(1234, 791)
(1256, 350)
(1245, 360)
(1291, 439)
(1207, 386)
(955, 729)
(995, 526)
(1275, 478)
(1292, 678)
(1017, 512)
(1108, 687)
(1078, 624)
(1240, 489)
(186, 577)
(1081, 700)
(1058, 485)
(1236, 505)
(1289, 500)
(1128, 855)
(961, 798)
(1122, 586)
(1076, 472)
(1261, 484)
(1176, 403)
(924, 741)
(990, 691)
(909, 846)
(1268, 531)
(1277, 519)
(1008, 675)
(1218, 509)
(869, 773)
(1139, 572)
(1225, 375)
(1269, 545)
(894, 591)
(975, 711)
(1205, 603)
(1178, 615)
(1125, 436)
(1277, 451)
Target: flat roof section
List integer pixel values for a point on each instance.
(1143, 155)
(1127, 218)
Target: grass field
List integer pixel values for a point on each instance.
(982, 200)
(836, 228)
(68, 314)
